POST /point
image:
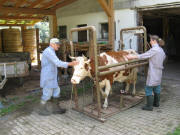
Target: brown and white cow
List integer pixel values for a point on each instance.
(86, 68)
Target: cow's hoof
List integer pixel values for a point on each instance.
(105, 106)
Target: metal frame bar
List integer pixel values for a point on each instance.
(93, 30)
(97, 69)
(134, 28)
(5, 77)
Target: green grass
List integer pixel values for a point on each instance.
(11, 108)
(14, 107)
(176, 132)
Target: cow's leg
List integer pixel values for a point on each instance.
(134, 82)
(101, 86)
(134, 88)
(127, 87)
(107, 90)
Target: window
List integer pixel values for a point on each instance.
(82, 35)
(104, 30)
(63, 32)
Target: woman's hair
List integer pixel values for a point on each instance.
(158, 40)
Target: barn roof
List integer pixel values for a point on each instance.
(28, 12)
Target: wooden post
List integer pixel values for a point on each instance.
(165, 28)
(22, 32)
(38, 50)
(111, 23)
(91, 45)
(54, 26)
(109, 10)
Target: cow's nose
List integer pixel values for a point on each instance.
(73, 81)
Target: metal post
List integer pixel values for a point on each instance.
(133, 28)
(74, 86)
(96, 72)
(93, 29)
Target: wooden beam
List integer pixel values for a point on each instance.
(37, 47)
(54, 26)
(51, 3)
(20, 2)
(111, 23)
(37, 2)
(2, 2)
(26, 11)
(104, 5)
(19, 18)
(16, 24)
(65, 3)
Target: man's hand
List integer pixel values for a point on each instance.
(131, 56)
(73, 63)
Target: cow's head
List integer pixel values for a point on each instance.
(81, 70)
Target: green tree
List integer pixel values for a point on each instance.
(43, 30)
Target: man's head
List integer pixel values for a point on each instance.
(55, 43)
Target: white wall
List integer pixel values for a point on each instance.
(140, 3)
(90, 19)
(124, 4)
(124, 19)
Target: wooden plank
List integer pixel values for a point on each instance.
(26, 11)
(65, 3)
(105, 6)
(37, 2)
(2, 2)
(16, 24)
(51, 3)
(20, 18)
(20, 2)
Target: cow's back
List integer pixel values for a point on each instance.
(113, 57)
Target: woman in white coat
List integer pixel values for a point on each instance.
(156, 57)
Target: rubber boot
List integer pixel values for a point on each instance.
(43, 109)
(149, 105)
(56, 108)
(156, 99)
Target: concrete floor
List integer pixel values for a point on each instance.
(133, 121)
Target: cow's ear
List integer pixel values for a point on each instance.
(84, 57)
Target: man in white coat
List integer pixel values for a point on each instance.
(48, 80)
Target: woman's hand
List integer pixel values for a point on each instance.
(131, 56)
